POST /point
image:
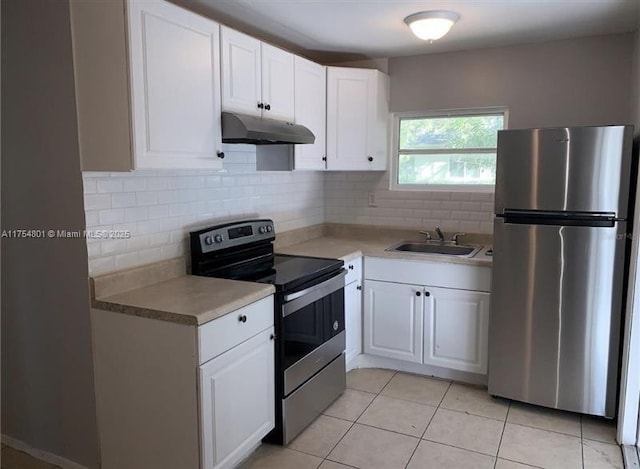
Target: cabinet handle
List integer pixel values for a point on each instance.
(221, 155)
(418, 293)
(272, 337)
(260, 106)
(427, 293)
(359, 287)
(267, 107)
(370, 158)
(242, 318)
(324, 158)
(350, 267)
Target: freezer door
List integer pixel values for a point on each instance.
(580, 169)
(555, 315)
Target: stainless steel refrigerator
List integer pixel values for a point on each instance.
(560, 241)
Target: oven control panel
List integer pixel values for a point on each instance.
(229, 235)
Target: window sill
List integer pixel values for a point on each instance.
(479, 188)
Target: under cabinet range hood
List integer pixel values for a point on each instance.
(240, 128)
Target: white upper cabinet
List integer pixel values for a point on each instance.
(152, 101)
(241, 72)
(357, 119)
(257, 79)
(174, 66)
(311, 111)
(277, 83)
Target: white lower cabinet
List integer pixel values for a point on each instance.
(456, 329)
(353, 319)
(236, 401)
(353, 309)
(172, 395)
(393, 320)
(445, 325)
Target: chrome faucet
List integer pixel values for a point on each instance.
(456, 237)
(427, 234)
(440, 234)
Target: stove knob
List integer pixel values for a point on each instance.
(208, 240)
(269, 228)
(262, 230)
(217, 238)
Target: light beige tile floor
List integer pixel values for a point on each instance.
(396, 420)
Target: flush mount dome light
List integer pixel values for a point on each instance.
(431, 25)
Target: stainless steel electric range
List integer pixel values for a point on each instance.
(308, 316)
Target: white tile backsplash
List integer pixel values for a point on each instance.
(159, 208)
(346, 200)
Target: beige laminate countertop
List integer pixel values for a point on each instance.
(348, 248)
(186, 300)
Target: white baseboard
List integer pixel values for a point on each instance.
(371, 361)
(40, 454)
(630, 455)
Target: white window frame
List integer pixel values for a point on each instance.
(395, 150)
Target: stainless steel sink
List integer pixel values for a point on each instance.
(436, 247)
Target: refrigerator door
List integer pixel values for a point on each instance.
(555, 315)
(580, 169)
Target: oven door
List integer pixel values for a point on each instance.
(313, 329)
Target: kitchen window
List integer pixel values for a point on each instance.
(447, 150)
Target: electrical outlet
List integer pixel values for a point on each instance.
(372, 199)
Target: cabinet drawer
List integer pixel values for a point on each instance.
(354, 270)
(224, 333)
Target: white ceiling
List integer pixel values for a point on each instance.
(375, 28)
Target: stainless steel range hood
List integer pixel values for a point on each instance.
(240, 128)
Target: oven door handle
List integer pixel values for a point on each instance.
(315, 292)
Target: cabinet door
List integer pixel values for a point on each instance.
(351, 100)
(277, 83)
(237, 401)
(379, 147)
(393, 320)
(241, 72)
(310, 99)
(353, 319)
(456, 329)
(175, 90)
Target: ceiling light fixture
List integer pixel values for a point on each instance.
(431, 25)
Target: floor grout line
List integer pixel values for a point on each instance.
(425, 428)
(430, 421)
(471, 414)
(355, 421)
(458, 447)
(546, 430)
(504, 426)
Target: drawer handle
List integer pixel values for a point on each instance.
(242, 318)
(350, 267)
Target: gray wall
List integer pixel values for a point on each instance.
(47, 376)
(583, 81)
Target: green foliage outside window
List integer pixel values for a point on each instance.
(448, 150)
